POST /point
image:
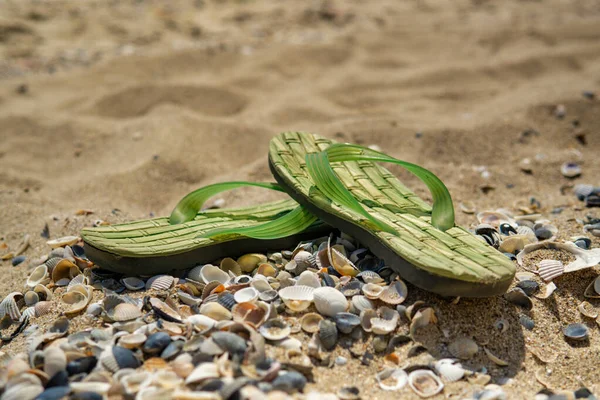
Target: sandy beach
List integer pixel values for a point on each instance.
(113, 111)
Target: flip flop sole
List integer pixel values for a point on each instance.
(486, 272)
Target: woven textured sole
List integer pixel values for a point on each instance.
(451, 263)
(154, 246)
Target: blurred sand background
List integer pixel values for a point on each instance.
(122, 107)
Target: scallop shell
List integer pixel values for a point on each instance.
(65, 269)
(550, 269)
(372, 291)
(463, 348)
(310, 322)
(209, 273)
(38, 276)
(396, 376)
(361, 303)
(226, 299)
(329, 301)
(346, 321)
(275, 329)
(9, 306)
(525, 231)
(386, 323)
(63, 241)
(160, 282)
(309, 278)
(133, 283)
(395, 293)
(248, 262)
(31, 298)
(247, 295)
(425, 383)
(230, 265)
(450, 370)
(215, 311)
(297, 298)
(124, 312)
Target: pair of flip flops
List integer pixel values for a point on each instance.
(332, 186)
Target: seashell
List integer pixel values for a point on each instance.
(518, 297)
(77, 300)
(247, 295)
(309, 278)
(201, 323)
(210, 273)
(262, 285)
(156, 343)
(310, 322)
(570, 170)
(515, 243)
(386, 323)
(348, 393)
(188, 298)
(587, 309)
(528, 286)
(526, 321)
(249, 262)
(275, 329)
(365, 319)
(468, 207)
(230, 342)
(392, 379)
(395, 293)
(227, 300)
(133, 283)
(65, 269)
(329, 301)
(52, 261)
(582, 242)
(243, 279)
(117, 357)
(29, 312)
(22, 391)
(229, 265)
(450, 370)
(352, 288)
(463, 348)
(81, 365)
(328, 335)
(214, 287)
(63, 241)
(304, 260)
(253, 314)
(124, 312)
(425, 383)
(576, 332)
(54, 360)
(182, 365)
(289, 382)
(361, 303)
(167, 379)
(494, 218)
(132, 340)
(215, 311)
(38, 276)
(268, 295)
(43, 292)
(370, 277)
(160, 282)
(592, 291)
(297, 298)
(341, 264)
(132, 383)
(496, 360)
(502, 325)
(372, 291)
(346, 321)
(266, 269)
(525, 231)
(31, 298)
(165, 312)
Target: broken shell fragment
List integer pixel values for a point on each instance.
(395, 293)
(392, 379)
(496, 360)
(550, 269)
(587, 309)
(275, 329)
(425, 383)
(463, 348)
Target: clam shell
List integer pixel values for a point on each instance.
(550, 269)
(346, 321)
(65, 269)
(132, 340)
(341, 264)
(63, 241)
(392, 379)
(370, 277)
(188, 299)
(43, 292)
(55, 360)
(31, 298)
(275, 329)
(329, 301)
(463, 348)
(117, 357)
(328, 334)
(201, 323)
(297, 298)
(42, 308)
(372, 291)
(164, 311)
(230, 265)
(38, 276)
(248, 262)
(309, 278)
(210, 273)
(124, 312)
(266, 269)
(425, 383)
(202, 372)
(386, 323)
(215, 311)
(395, 293)
(588, 310)
(310, 322)
(576, 332)
(592, 291)
(160, 282)
(260, 284)
(247, 295)
(361, 303)
(450, 370)
(133, 283)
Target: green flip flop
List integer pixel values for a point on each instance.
(342, 185)
(188, 237)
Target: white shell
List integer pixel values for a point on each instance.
(133, 283)
(366, 316)
(329, 301)
(203, 372)
(209, 273)
(361, 303)
(416, 381)
(9, 306)
(160, 282)
(297, 298)
(275, 329)
(372, 291)
(261, 284)
(398, 375)
(55, 360)
(386, 323)
(77, 300)
(215, 311)
(550, 269)
(309, 278)
(132, 340)
(395, 293)
(246, 295)
(201, 323)
(450, 370)
(39, 275)
(63, 241)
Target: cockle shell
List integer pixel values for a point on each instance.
(450, 370)
(253, 314)
(297, 298)
(43, 292)
(230, 265)
(329, 301)
(201, 323)
(124, 312)
(361, 303)
(202, 372)
(327, 334)
(247, 295)
(9, 306)
(42, 308)
(160, 282)
(310, 322)
(550, 269)
(77, 300)
(395, 293)
(372, 291)
(425, 383)
(387, 321)
(370, 277)
(392, 379)
(133, 283)
(309, 278)
(275, 329)
(38, 276)
(463, 348)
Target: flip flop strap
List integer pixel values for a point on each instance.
(326, 180)
(289, 224)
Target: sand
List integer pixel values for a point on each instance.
(122, 108)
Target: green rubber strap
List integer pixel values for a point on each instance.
(188, 207)
(318, 165)
(289, 224)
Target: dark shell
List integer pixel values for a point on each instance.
(576, 332)
(18, 260)
(290, 382)
(156, 343)
(78, 251)
(162, 310)
(370, 264)
(61, 378)
(518, 297)
(327, 279)
(543, 233)
(507, 229)
(86, 396)
(528, 286)
(54, 393)
(172, 350)
(583, 242)
(328, 334)
(82, 365)
(526, 321)
(352, 288)
(230, 342)
(226, 300)
(346, 322)
(125, 358)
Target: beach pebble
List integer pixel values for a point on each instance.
(18, 260)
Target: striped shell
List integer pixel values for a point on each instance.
(124, 312)
(450, 370)
(28, 312)
(230, 265)
(360, 303)
(133, 283)
(463, 348)
(329, 301)
(42, 308)
(370, 277)
(297, 298)
(525, 230)
(550, 269)
(10, 306)
(160, 282)
(39, 275)
(346, 322)
(188, 298)
(132, 340)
